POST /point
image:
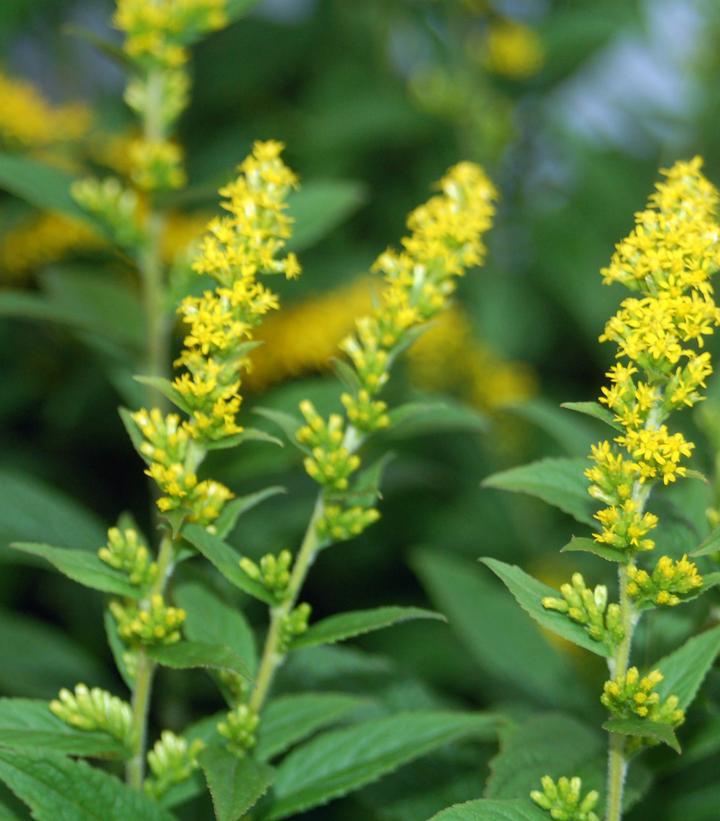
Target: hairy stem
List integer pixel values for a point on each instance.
(145, 672)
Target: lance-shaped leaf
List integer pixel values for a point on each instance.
(41, 185)
(559, 482)
(133, 432)
(235, 508)
(485, 809)
(287, 423)
(235, 783)
(57, 787)
(226, 560)
(529, 593)
(642, 728)
(289, 719)
(319, 206)
(188, 654)
(340, 761)
(28, 724)
(117, 648)
(581, 544)
(166, 388)
(246, 435)
(708, 546)
(685, 668)
(420, 418)
(355, 623)
(595, 410)
(81, 566)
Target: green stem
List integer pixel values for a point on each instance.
(273, 653)
(145, 672)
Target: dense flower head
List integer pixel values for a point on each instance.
(630, 694)
(157, 32)
(660, 332)
(668, 583)
(564, 800)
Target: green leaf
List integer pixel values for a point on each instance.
(234, 509)
(57, 788)
(28, 723)
(43, 186)
(421, 418)
(226, 560)
(247, 435)
(34, 511)
(642, 728)
(289, 719)
(346, 374)
(573, 435)
(548, 744)
(485, 809)
(365, 490)
(133, 432)
(81, 566)
(288, 423)
(319, 206)
(117, 648)
(212, 620)
(685, 668)
(102, 44)
(355, 623)
(708, 546)
(559, 482)
(580, 544)
(596, 410)
(235, 783)
(470, 599)
(165, 388)
(344, 760)
(529, 593)
(188, 654)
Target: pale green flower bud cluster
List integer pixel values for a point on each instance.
(366, 413)
(239, 728)
(631, 695)
(331, 463)
(127, 552)
(113, 205)
(602, 621)
(159, 623)
(95, 709)
(294, 624)
(273, 572)
(564, 800)
(235, 685)
(172, 97)
(338, 524)
(171, 761)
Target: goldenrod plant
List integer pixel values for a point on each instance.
(194, 409)
(661, 367)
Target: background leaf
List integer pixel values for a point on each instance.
(235, 783)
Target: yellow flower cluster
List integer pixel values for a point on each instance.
(235, 250)
(632, 695)
(28, 120)
(157, 32)
(512, 50)
(667, 584)
(157, 165)
(668, 258)
(159, 623)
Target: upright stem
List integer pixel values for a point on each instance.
(144, 674)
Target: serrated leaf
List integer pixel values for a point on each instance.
(226, 560)
(708, 546)
(355, 623)
(81, 566)
(210, 619)
(287, 423)
(642, 728)
(235, 783)
(469, 597)
(247, 435)
(57, 788)
(485, 809)
(596, 410)
(188, 654)
(421, 418)
(235, 508)
(28, 724)
(559, 482)
(685, 668)
(344, 760)
(581, 544)
(33, 511)
(319, 206)
(529, 593)
(165, 388)
(289, 719)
